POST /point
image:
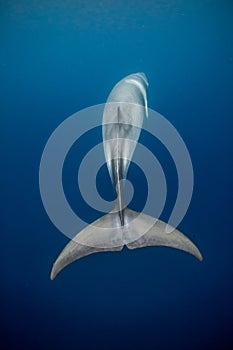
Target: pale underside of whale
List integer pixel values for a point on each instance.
(124, 112)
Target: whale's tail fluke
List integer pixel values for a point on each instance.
(102, 235)
(107, 234)
(157, 236)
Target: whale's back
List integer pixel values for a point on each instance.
(123, 116)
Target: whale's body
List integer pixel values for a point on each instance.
(123, 116)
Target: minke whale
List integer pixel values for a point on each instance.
(123, 115)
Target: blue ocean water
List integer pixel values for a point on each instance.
(58, 57)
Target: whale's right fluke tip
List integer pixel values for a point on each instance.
(157, 236)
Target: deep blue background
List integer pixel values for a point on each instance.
(57, 57)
